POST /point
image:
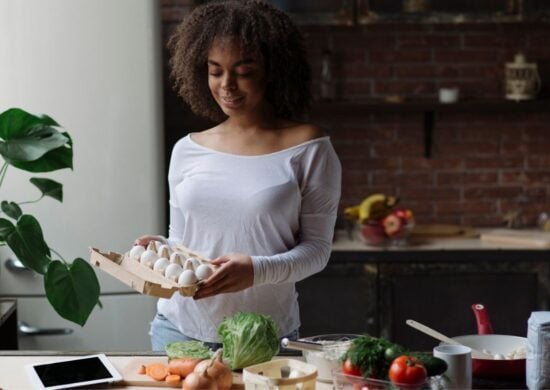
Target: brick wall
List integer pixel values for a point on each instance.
(483, 165)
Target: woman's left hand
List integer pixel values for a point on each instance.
(235, 273)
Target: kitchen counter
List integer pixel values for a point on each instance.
(14, 377)
(459, 248)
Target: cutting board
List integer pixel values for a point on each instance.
(531, 239)
(131, 377)
(443, 231)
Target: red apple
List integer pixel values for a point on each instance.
(373, 232)
(404, 214)
(392, 224)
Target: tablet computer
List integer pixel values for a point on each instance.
(72, 372)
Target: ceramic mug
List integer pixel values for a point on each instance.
(448, 95)
(459, 365)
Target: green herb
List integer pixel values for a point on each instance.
(373, 355)
(188, 349)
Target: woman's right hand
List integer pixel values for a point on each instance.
(144, 240)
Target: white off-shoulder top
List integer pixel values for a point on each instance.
(279, 208)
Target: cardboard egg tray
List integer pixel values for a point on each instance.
(140, 277)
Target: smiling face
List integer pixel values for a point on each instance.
(236, 81)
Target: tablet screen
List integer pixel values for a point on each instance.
(72, 371)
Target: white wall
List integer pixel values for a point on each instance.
(94, 66)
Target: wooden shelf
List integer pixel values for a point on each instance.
(342, 107)
(429, 109)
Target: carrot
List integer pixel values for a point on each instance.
(157, 371)
(142, 370)
(182, 366)
(173, 379)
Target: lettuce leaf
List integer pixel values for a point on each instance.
(248, 338)
(187, 349)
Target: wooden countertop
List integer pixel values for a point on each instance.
(13, 375)
(343, 243)
(428, 250)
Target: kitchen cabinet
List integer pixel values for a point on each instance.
(360, 12)
(340, 299)
(440, 295)
(377, 290)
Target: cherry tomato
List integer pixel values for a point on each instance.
(349, 368)
(407, 370)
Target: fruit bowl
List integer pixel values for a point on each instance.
(373, 232)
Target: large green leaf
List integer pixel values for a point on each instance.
(72, 289)
(49, 187)
(27, 137)
(27, 242)
(59, 158)
(32, 144)
(15, 122)
(11, 209)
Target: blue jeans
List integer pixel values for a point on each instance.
(164, 332)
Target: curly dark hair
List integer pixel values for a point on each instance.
(264, 32)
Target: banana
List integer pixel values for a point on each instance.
(352, 212)
(376, 206)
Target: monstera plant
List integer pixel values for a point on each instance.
(36, 144)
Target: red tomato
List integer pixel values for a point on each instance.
(349, 368)
(407, 370)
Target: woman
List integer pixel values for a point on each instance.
(257, 193)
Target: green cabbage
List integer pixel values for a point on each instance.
(183, 349)
(248, 338)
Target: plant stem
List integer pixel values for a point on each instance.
(3, 171)
(31, 201)
(58, 255)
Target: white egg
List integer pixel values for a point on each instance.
(203, 271)
(164, 251)
(187, 278)
(136, 251)
(175, 258)
(173, 271)
(189, 265)
(194, 261)
(161, 264)
(152, 246)
(148, 258)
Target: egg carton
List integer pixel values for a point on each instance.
(129, 269)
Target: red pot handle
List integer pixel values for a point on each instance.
(482, 319)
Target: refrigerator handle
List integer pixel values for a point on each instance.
(15, 266)
(27, 330)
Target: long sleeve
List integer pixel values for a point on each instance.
(176, 220)
(320, 186)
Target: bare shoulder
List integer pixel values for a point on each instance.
(206, 137)
(298, 133)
